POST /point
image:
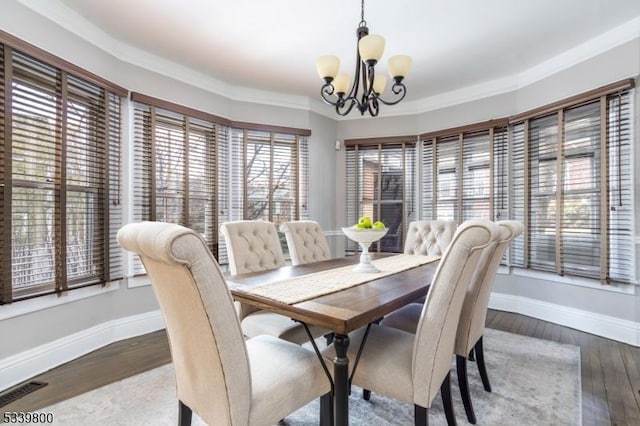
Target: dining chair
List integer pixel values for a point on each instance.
(413, 367)
(474, 313)
(429, 237)
(306, 241)
(220, 376)
(254, 246)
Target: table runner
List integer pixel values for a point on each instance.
(305, 287)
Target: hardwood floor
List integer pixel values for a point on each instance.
(610, 370)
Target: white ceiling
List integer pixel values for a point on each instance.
(272, 45)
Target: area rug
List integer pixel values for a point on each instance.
(534, 382)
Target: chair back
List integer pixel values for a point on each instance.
(476, 302)
(207, 346)
(306, 241)
(436, 330)
(429, 237)
(252, 246)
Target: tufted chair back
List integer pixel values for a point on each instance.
(207, 346)
(253, 246)
(436, 329)
(429, 237)
(476, 303)
(306, 241)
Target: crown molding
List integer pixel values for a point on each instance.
(70, 20)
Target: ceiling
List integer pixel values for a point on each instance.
(272, 45)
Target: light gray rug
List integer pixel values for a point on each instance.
(535, 382)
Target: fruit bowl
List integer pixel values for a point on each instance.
(365, 237)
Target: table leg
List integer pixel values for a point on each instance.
(341, 379)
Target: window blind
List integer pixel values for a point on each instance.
(572, 188)
(60, 177)
(175, 171)
(465, 174)
(381, 185)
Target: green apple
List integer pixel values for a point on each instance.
(377, 225)
(361, 226)
(365, 221)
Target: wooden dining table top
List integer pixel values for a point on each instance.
(345, 310)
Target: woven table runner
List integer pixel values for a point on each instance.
(305, 287)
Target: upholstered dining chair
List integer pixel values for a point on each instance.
(220, 376)
(254, 246)
(413, 367)
(474, 313)
(306, 241)
(429, 237)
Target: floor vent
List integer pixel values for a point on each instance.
(19, 392)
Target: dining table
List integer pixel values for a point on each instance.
(347, 301)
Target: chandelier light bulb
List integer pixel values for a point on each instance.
(341, 83)
(328, 66)
(399, 66)
(379, 83)
(371, 48)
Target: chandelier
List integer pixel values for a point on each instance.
(367, 85)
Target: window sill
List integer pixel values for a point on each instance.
(138, 281)
(44, 302)
(580, 282)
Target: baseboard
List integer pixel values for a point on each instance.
(601, 325)
(20, 367)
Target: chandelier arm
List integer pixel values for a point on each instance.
(398, 88)
(374, 106)
(326, 92)
(341, 104)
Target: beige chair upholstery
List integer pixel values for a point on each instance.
(474, 311)
(224, 379)
(306, 241)
(429, 237)
(254, 246)
(412, 368)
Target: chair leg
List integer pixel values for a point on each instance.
(326, 410)
(366, 394)
(481, 366)
(447, 403)
(184, 414)
(421, 416)
(472, 355)
(463, 384)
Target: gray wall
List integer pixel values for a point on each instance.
(327, 166)
(611, 66)
(37, 328)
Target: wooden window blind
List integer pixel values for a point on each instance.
(572, 187)
(192, 168)
(59, 175)
(381, 184)
(175, 171)
(464, 175)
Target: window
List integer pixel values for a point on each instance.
(175, 169)
(59, 175)
(572, 188)
(270, 172)
(464, 173)
(199, 170)
(380, 184)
